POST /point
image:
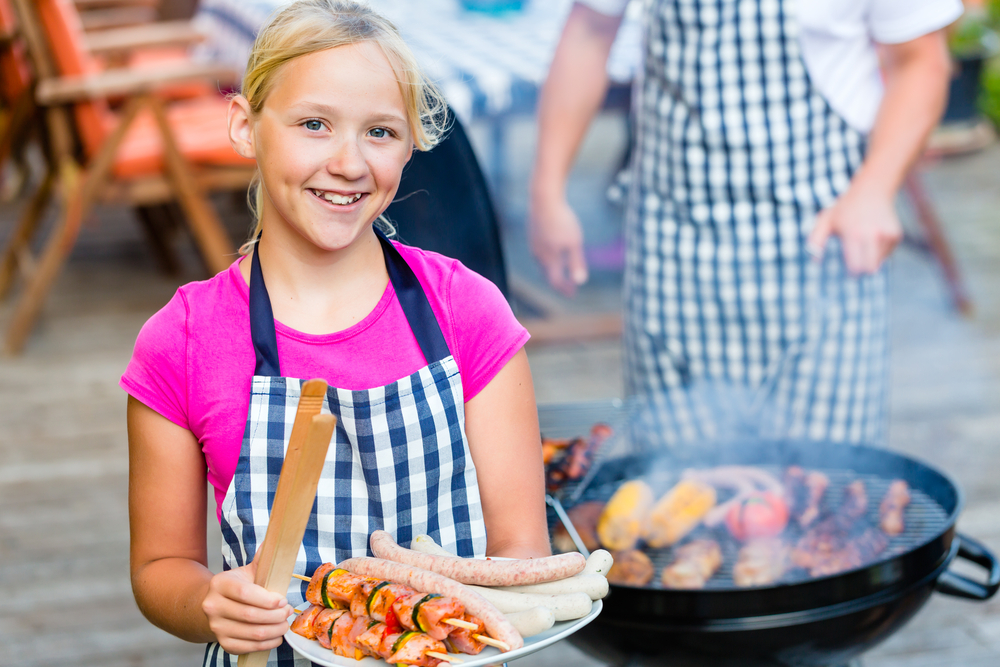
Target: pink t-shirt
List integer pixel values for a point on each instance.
(193, 360)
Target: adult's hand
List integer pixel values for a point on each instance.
(865, 219)
(243, 616)
(556, 240)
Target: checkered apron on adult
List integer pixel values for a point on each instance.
(732, 329)
(399, 460)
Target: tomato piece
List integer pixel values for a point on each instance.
(761, 515)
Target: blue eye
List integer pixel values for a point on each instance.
(379, 132)
(313, 125)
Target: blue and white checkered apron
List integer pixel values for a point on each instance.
(399, 460)
(732, 330)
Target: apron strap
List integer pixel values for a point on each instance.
(414, 302)
(412, 299)
(265, 340)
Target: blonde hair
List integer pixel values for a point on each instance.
(308, 26)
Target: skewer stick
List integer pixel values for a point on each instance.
(302, 577)
(459, 623)
(489, 641)
(443, 656)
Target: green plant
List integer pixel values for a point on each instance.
(989, 97)
(974, 35)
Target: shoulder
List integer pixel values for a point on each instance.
(442, 276)
(898, 21)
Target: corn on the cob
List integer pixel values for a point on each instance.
(624, 517)
(678, 512)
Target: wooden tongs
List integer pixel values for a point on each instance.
(293, 499)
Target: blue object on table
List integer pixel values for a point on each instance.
(493, 6)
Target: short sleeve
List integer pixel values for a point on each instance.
(898, 21)
(156, 375)
(607, 7)
(486, 331)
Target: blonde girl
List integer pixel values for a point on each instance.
(437, 429)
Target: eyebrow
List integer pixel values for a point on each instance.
(325, 109)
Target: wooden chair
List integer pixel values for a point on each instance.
(99, 15)
(17, 97)
(149, 153)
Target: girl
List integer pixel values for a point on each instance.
(437, 429)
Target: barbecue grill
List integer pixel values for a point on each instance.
(801, 621)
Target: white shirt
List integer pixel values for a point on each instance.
(838, 40)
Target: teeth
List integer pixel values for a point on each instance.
(334, 198)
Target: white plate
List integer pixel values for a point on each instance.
(311, 650)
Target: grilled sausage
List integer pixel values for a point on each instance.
(594, 585)
(891, 510)
(516, 572)
(532, 621)
(565, 607)
(431, 582)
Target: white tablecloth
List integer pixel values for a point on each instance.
(487, 66)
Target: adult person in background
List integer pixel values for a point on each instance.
(770, 139)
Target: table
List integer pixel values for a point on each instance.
(487, 66)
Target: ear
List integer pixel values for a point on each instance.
(241, 127)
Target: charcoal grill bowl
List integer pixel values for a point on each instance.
(816, 623)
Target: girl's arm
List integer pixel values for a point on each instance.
(170, 579)
(501, 422)
(572, 95)
(864, 217)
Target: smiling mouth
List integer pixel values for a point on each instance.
(334, 198)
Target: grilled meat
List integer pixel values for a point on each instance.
(891, 510)
(693, 565)
(835, 545)
(761, 562)
(805, 493)
(631, 568)
(855, 502)
(584, 517)
(569, 459)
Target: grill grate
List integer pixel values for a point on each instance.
(923, 519)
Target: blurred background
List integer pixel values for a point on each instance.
(72, 308)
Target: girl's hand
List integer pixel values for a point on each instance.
(245, 617)
(865, 219)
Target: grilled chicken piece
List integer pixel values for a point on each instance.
(631, 568)
(891, 510)
(413, 649)
(855, 502)
(427, 613)
(624, 517)
(464, 640)
(567, 460)
(678, 512)
(693, 565)
(761, 562)
(860, 550)
(805, 492)
(834, 546)
(584, 517)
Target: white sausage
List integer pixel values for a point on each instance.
(497, 625)
(600, 562)
(594, 585)
(481, 572)
(532, 621)
(565, 607)
(426, 544)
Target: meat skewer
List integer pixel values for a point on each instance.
(891, 510)
(397, 604)
(352, 636)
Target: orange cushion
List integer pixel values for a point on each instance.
(154, 57)
(14, 72)
(199, 127)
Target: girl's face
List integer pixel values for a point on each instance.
(331, 142)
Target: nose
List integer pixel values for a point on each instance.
(347, 159)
